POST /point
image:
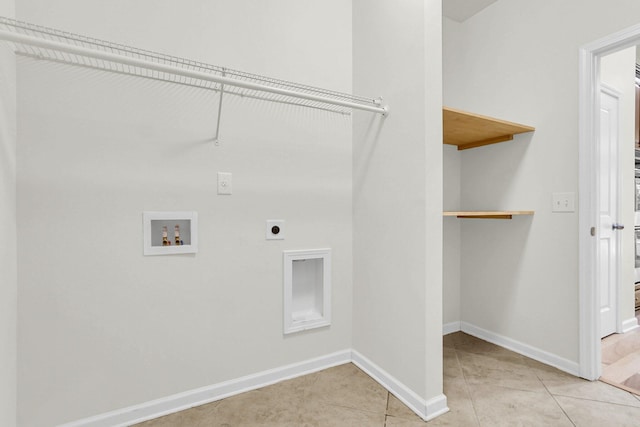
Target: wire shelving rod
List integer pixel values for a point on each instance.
(60, 46)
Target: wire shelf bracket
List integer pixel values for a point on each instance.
(60, 46)
(216, 138)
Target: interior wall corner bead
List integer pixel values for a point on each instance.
(60, 46)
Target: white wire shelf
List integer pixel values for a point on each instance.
(61, 46)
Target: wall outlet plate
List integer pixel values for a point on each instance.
(274, 229)
(225, 183)
(563, 202)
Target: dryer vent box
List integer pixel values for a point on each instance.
(307, 289)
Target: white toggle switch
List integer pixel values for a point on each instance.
(275, 229)
(224, 183)
(564, 202)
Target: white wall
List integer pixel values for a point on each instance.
(451, 197)
(103, 327)
(8, 249)
(397, 199)
(518, 60)
(451, 266)
(618, 70)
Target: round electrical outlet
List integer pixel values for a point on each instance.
(275, 229)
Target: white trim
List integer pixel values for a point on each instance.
(610, 90)
(449, 328)
(521, 348)
(589, 326)
(589, 318)
(614, 42)
(629, 325)
(425, 409)
(436, 406)
(181, 401)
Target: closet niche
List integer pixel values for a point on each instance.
(468, 130)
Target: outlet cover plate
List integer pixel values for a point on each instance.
(274, 229)
(563, 202)
(225, 183)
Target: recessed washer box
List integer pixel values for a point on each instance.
(167, 233)
(307, 289)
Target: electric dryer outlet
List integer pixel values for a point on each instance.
(274, 229)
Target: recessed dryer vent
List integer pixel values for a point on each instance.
(307, 289)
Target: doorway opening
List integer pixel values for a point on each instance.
(590, 228)
(620, 344)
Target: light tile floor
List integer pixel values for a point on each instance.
(621, 360)
(486, 385)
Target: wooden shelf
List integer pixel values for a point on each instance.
(487, 214)
(469, 130)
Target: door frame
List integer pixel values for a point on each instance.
(589, 197)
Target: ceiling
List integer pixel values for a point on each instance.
(461, 10)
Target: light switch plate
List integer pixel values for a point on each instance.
(563, 202)
(225, 183)
(274, 229)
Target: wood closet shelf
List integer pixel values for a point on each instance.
(487, 214)
(469, 130)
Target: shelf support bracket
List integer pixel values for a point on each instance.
(216, 138)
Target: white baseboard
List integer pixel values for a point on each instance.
(629, 325)
(181, 401)
(545, 357)
(426, 410)
(449, 328)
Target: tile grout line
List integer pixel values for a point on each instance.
(554, 399)
(599, 401)
(386, 410)
(464, 377)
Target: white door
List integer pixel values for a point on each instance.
(609, 186)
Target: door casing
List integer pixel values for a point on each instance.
(588, 217)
